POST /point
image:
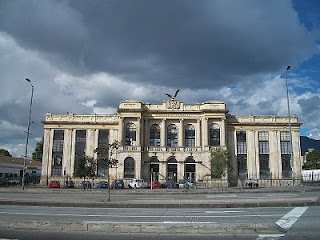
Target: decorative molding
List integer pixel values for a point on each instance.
(172, 104)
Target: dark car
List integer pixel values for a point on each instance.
(102, 184)
(54, 184)
(68, 184)
(117, 184)
(169, 184)
(86, 184)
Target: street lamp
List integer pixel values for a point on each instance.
(290, 133)
(27, 137)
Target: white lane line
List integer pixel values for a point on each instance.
(141, 216)
(291, 217)
(270, 236)
(223, 196)
(209, 212)
(164, 222)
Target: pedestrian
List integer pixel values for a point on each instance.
(250, 183)
(255, 183)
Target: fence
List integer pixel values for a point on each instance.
(311, 175)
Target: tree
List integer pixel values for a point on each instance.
(313, 160)
(37, 154)
(220, 160)
(5, 152)
(106, 153)
(84, 167)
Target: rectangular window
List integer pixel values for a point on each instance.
(264, 154)
(80, 142)
(103, 140)
(242, 154)
(241, 143)
(285, 154)
(57, 152)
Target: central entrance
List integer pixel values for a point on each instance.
(154, 169)
(190, 170)
(172, 169)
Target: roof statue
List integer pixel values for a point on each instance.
(174, 96)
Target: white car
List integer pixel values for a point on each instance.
(184, 184)
(13, 181)
(137, 183)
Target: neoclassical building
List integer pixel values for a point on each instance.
(173, 141)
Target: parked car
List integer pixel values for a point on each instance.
(68, 184)
(117, 184)
(184, 184)
(169, 184)
(86, 184)
(54, 184)
(155, 184)
(137, 183)
(13, 181)
(102, 184)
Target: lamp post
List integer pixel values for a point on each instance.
(27, 137)
(290, 133)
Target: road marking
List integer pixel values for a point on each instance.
(141, 216)
(270, 236)
(223, 196)
(291, 217)
(224, 212)
(165, 222)
(283, 195)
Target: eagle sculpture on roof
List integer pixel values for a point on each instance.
(172, 97)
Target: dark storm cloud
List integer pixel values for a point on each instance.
(189, 43)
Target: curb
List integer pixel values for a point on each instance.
(297, 203)
(177, 228)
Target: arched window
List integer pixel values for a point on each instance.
(154, 135)
(214, 135)
(131, 134)
(129, 168)
(189, 136)
(172, 139)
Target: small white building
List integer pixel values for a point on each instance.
(12, 168)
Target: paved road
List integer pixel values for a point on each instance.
(298, 223)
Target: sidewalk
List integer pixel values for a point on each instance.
(205, 202)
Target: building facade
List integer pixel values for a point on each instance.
(173, 141)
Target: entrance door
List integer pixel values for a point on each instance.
(190, 174)
(154, 172)
(172, 172)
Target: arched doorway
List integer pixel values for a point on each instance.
(154, 169)
(129, 168)
(190, 170)
(172, 169)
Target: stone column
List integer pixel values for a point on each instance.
(120, 133)
(296, 154)
(138, 131)
(204, 131)
(66, 153)
(50, 152)
(163, 133)
(73, 149)
(146, 132)
(180, 134)
(198, 133)
(223, 132)
(90, 142)
(46, 154)
(180, 171)
(251, 162)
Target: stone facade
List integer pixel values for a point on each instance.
(173, 141)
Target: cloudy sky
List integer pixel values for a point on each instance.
(86, 56)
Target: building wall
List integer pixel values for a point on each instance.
(201, 116)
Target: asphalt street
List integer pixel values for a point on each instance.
(299, 222)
